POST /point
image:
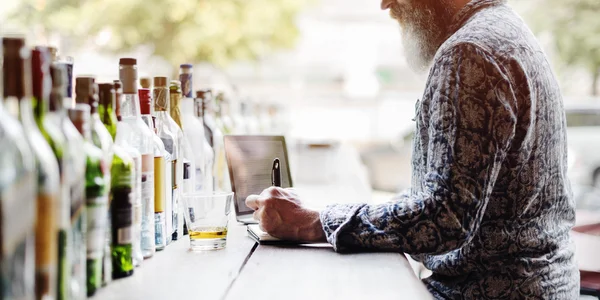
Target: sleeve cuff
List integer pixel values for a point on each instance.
(336, 219)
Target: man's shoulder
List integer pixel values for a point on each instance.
(498, 31)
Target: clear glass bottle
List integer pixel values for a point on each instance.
(75, 275)
(162, 172)
(187, 183)
(167, 130)
(220, 172)
(17, 69)
(18, 186)
(137, 176)
(203, 155)
(96, 193)
(121, 207)
(74, 170)
(141, 138)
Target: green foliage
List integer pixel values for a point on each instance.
(216, 31)
(575, 28)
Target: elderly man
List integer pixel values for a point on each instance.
(490, 207)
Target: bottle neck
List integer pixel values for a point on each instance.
(25, 113)
(130, 107)
(40, 107)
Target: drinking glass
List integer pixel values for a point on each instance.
(207, 215)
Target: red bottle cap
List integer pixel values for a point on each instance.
(145, 101)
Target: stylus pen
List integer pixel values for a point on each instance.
(276, 173)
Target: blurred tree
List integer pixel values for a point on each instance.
(575, 28)
(215, 31)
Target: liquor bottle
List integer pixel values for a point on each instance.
(141, 138)
(220, 171)
(167, 130)
(42, 84)
(185, 185)
(17, 71)
(96, 193)
(162, 172)
(121, 207)
(107, 100)
(106, 108)
(201, 102)
(76, 247)
(71, 274)
(203, 157)
(18, 182)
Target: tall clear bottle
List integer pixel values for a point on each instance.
(162, 172)
(96, 193)
(202, 152)
(186, 184)
(136, 193)
(141, 138)
(169, 137)
(18, 189)
(17, 69)
(73, 171)
(215, 138)
(75, 273)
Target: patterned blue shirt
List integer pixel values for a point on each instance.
(490, 208)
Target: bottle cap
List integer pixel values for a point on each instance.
(40, 73)
(128, 75)
(86, 91)
(58, 75)
(16, 71)
(106, 94)
(145, 101)
(118, 92)
(145, 82)
(160, 81)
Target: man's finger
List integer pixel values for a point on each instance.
(254, 201)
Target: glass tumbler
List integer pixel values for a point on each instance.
(207, 216)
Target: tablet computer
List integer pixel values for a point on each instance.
(250, 160)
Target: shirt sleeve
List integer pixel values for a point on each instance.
(468, 130)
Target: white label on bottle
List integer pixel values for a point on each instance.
(97, 216)
(19, 200)
(147, 201)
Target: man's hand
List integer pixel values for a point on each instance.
(281, 215)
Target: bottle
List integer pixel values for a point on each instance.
(162, 172)
(136, 193)
(41, 83)
(17, 70)
(141, 138)
(96, 193)
(186, 185)
(70, 222)
(76, 247)
(166, 129)
(220, 172)
(121, 207)
(19, 181)
(203, 157)
(106, 96)
(200, 103)
(106, 108)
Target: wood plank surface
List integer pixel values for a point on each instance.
(177, 273)
(317, 272)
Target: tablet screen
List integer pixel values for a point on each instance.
(250, 159)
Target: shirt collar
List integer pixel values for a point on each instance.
(469, 10)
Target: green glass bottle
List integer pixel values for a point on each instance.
(96, 191)
(121, 208)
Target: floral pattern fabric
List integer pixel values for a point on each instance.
(490, 208)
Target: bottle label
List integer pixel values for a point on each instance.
(159, 184)
(175, 199)
(122, 216)
(147, 201)
(97, 215)
(20, 200)
(160, 229)
(137, 192)
(45, 238)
